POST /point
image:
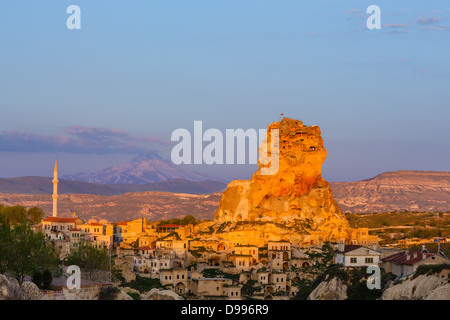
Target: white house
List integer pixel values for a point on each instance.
(356, 256)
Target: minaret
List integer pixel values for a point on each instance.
(55, 190)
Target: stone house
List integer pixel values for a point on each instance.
(178, 278)
(213, 287)
(405, 263)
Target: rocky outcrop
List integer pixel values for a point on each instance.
(31, 291)
(424, 287)
(11, 290)
(333, 289)
(296, 192)
(159, 294)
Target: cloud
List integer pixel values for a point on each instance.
(395, 25)
(398, 31)
(351, 11)
(80, 139)
(427, 21)
(435, 28)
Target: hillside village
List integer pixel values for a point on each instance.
(196, 262)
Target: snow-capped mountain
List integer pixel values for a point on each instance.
(141, 170)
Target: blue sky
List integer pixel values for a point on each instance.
(137, 70)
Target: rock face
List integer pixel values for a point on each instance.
(159, 294)
(424, 287)
(11, 290)
(398, 190)
(296, 192)
(334, 289)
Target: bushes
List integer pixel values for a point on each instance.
(430, 269)
(134, 295)
(47, 279)
(108, 293)
(143, 284)
(37, 279)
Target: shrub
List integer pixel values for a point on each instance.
(108, 293)
(135, 295)
(37, 279)
(430, 269)
(47, 279)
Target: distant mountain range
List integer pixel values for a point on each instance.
(44, 186)
(397, 190)
(143, 169)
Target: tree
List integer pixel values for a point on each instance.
(189, 219)
(322, 259)
(89, 257)
(22, 251)
(1, 214)
(14, 214)
(35, 215)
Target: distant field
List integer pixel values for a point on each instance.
(393, 219)
(394, 227)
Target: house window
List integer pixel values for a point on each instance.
(369, 260)
(352, 260)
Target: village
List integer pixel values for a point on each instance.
(197, 265)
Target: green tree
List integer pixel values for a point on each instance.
(89, 257)
(22, 251)
(321, 260)
(2, 219)
(35, 215)
(14, 214)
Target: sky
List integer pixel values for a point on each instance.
(138, 70)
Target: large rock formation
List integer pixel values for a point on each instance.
(160, 294)
(334, 289)
(296, 193)
(423, 287)
(11, 290)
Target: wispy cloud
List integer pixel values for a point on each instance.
(395, 25)
(78, 139)
(427, 21)
(352, 11)
(435, 28)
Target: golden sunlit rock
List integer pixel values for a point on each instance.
(296, 195)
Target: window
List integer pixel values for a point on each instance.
(369, 260)
(352, 260)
